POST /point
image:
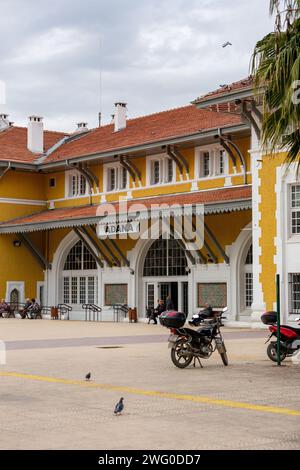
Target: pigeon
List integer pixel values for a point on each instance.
(88, 376)
(227, 44)
(119, 407)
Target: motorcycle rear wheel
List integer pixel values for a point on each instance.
(272, 352)
(179, 355)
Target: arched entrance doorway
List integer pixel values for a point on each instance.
(79, 277)
(165, 272)
(247, 281)
(241, 276)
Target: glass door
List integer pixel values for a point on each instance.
(164, 290)
(185, 297)
(150, 295)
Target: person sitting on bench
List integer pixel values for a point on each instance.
(33, 308)
(24, 309)
(4, 308)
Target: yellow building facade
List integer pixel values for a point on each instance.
(64, 197)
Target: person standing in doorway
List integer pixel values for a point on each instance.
(169, 303)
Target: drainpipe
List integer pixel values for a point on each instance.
(2, 173)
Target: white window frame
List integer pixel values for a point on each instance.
(78, 277)
(292, 210)
(290, 294)
(214, 162)
(217, 161)
(40, 284)
(163, 170)
(11, 285)
(69, 192)
(119, 177)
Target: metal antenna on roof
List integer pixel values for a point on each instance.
(100, 82)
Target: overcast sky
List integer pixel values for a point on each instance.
(154, 54)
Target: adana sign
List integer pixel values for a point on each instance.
(118, 228)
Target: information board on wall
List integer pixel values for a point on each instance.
(215, 293)
(115, 294)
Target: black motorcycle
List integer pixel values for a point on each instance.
(189, 345)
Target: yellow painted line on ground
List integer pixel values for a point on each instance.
(153, 393)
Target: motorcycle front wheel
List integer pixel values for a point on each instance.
(272, 352)
(224, 358)
(180, 354)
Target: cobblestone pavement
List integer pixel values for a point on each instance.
(46, 404)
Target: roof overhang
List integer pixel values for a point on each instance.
(223, 98)
(18, 165)
(151, 147)
(71, 220)
(196, 137)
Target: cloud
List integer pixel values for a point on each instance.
(154, 55)
(49, 47)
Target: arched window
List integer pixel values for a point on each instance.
(249, 257)
(79, 258)
(14, 297)
(165, 258)
(80, 281)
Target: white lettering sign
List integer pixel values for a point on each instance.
(118, 228)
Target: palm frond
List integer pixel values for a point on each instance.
(276, 67)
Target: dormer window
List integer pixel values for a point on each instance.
(76, 184)
(115, 177)
(205, 164)
(160, 170)
(220, 162)
(155, 172)
(211, 162)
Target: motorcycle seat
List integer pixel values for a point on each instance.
(296, 330)
(197, 333)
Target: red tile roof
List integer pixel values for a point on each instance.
(142, 130)
(153, 128)
(81, 212)
(223, 91)
(13, 144)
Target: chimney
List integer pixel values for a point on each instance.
(120, 116)
(4, 122)
(35, 134)
(82, 127)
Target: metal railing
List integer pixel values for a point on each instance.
(64, 309)
(92, 312)
(15, 308)
(120, 310)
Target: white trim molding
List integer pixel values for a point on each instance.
(258, 306)
(26, 202)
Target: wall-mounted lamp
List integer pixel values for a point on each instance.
(17, 243)
(209, 258)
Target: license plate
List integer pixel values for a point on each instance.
(172, 339)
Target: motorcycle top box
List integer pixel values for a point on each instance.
(269, 318)
(172, 319)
